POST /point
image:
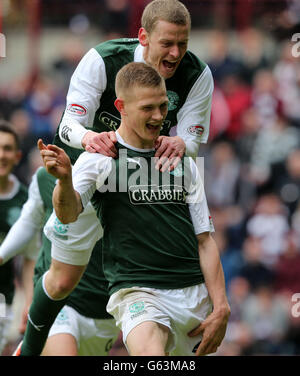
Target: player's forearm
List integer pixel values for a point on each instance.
(17, 239)
(71, 132)
(27, 276)
(66, 201)
(213, 273)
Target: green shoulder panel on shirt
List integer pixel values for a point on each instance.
(116, 47)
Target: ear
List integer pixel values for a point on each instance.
(119, 104)
(143, 37)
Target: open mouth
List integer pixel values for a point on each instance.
(168, 65)
(153, 127)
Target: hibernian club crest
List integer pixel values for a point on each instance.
(173, 100)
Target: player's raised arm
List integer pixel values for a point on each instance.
(66, 201)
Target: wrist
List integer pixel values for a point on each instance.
(85, 139)
(222, 309)
(65, 181)
(71, 132)
(181, 141)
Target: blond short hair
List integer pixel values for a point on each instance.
(172, 11)
(137, 74)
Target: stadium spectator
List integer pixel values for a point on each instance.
(13, 96)
(116, 19)
(254, 270)
(269, 223)
(231, 258)
(295, 223)
(253, 54)
(72, 51)
(224, 170)
(272, 145)
(40, 103)
(266, 314)
(244, 144)
(264, 98)
(221, 61)
(287, 74)
(286, 270)
(220, 115)
(238, 97)
(238, 337)
(250, 127)
(285, 181)
(238, 292)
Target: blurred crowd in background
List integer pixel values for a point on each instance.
(252, 159)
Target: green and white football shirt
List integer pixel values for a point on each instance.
(150, 219)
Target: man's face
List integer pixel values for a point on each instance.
(165, 46)
(9, 154)
(145, 109)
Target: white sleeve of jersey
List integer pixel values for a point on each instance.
(89, 174)
(197, 203)
(87, 84)
(193, 119)
(24, 235)
(32, 249)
